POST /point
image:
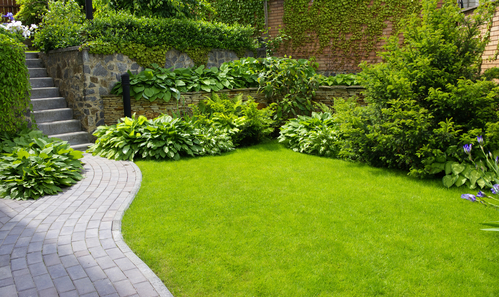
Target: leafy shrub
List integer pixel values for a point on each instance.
(426, 96)
(33, 165)
(161, 83)
(117, 29)
(62, 26)
(17, 36)
(290, 84)
(15, 90)
(338, 80)
(165, 8)
(162, 138)
(31, 11)
(316, 135)
(246, 124)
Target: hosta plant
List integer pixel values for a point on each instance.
(316, 135)
(33, 165)
(161, 138)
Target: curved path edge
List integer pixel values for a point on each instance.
(118, 238)
(70, 244)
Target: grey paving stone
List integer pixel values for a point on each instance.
(38, 269)
(18, 264)
(51, 259)
(106, 262)
(50, 292)
(76, 272)
(29, 293)
(19, 252)
(125, 288)
(115, 274)
(8, 291)
(24, 282)
(97, 252)
(95, 273)
(124, 264)
(72, 293)
(145, 289)
(5, 272)
(4, 260)
(87, 261)
(69, 261)
(43, 281)
(64, 284)
(84, 286)
(104, 287)
(57, 271)
(6, 282)
(93, 294)
(34, 258)
(135, 275)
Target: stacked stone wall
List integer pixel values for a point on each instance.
(114, 110)
(84, 78)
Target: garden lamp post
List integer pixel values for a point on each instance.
(88, 9)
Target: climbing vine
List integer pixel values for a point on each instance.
(243, 12)
(348, 29)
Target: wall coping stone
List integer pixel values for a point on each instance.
(62, 50)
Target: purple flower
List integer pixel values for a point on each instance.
(497, 159)
(495, 189)
(480, 139)
(9, 15)
(467, 148)
(469, 197)
(481, 194)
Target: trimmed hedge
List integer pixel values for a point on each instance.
(15, 90)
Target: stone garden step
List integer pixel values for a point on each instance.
(52, 115)
(60, 127)
(41, 82)
(34, 63)
(81, 147)
(31, 55)
(48, 103)
(44, 92)
(37, 72)
(73, 138)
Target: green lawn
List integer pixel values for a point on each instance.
(266, 221)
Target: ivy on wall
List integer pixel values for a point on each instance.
(243, 12)
(350, 28)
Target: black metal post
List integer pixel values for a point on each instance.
(125, 83)
(88, 9)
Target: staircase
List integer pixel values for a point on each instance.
(51, 113)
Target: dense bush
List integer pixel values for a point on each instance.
(427, 95)
(162, 138)
(62, 26)
(316, 135)
(33, 165)
(31, 11)
(14, 78)
(338, 80)
(164, 9)
(243, 121)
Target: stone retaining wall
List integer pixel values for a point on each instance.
(84, 78)
(114, 110)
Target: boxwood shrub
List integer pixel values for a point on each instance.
(15, 86)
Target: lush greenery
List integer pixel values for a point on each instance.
(163, 137)
(266, 221)
(15, 90)
(140, 38)
(339, 80)
(31, 11)
(161, 83)
(428, 98)
(246, 124)
(349, 30)
(243, 12)
(33, 165)
(316, 135)
(62, 26)
(162, 9)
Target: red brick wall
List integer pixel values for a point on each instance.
(326, 64)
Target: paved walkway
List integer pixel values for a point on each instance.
(70, 244)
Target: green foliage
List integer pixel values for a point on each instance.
(16, 35)
(316, 135)
(350, 29)
(15, 90)
(31, 11)
(161, 138)
(290, 84)
(33, 165)
(161, 83)
(338, 80)
(246, 124)
(243, 12)
(164, 9)
(62, 26)
(427, 96)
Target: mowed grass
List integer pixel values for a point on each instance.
(266, 221)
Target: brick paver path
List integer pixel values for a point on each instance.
(70, 244)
